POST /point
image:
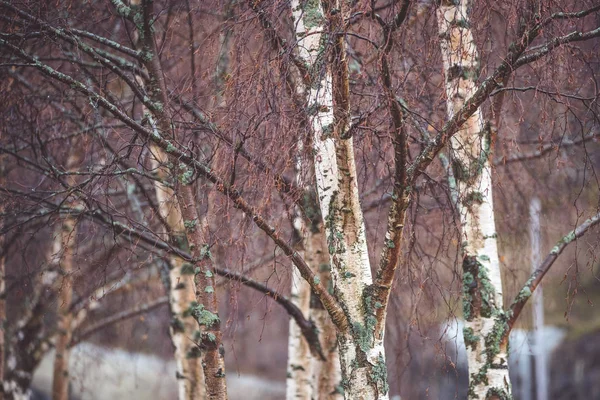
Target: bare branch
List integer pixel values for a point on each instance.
(536, 277)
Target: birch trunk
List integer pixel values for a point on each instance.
(26, 339)
(207, 349)
(208, 339)
(179, 280)
(2, 284)
(64, 243)
(60, 376)
(326, 374)
(482, 285)
(362, 356)
(181, 291)
(180, 284)
(299, 382)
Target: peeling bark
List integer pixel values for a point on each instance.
(482, 285)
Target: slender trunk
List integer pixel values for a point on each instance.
(181, 291)
(299, 382)
(179, 280)
(326, 374)
(539, 348)
(205, 310)
(299, 374)
(482, 285)
(64, 243)
(3, 321)
(60, 377)
(208, 347)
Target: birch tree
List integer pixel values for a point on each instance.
(471, 146)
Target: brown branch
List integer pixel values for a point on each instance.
(129, 234)
(506, 67)
(83, 334)
(536, 277)
(400, 196)
(308, 327)
(545, 149)
(329, 302)
(542, 50)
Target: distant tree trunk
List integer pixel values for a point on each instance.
(60, 377)
(26, 339)
(482, 285)
(539, 347)
(3, 321)
(299, 382)
(64, 287)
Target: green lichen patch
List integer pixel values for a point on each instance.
(378, 374)
(190, 225)
(202, 316)
(524, 294)
(205, 252)
(565, 240)
(471, 340)
(210, 337)
(473, 198)
(186, 174)
(313, 15)
(478, 291)
(495, 393)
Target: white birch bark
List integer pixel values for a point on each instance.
(181, 291)
(299, 382)
(326, 374)
(299, 373)
(362, 356)
(482, 285)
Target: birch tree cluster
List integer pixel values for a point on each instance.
(349, 175)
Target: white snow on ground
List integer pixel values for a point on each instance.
(99, 373)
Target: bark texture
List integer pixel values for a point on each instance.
(60, 377)
(299, 382)
(362, 356)
(180, 286)
(482, 284)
